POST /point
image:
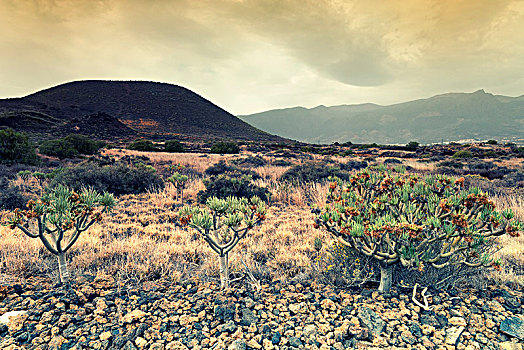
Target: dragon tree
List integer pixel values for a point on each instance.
(59, 217)
(223, 223)
(414, 221)
(179, 181)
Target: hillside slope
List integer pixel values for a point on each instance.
(448, 117)
(151, 108)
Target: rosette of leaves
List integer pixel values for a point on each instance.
(414, 221)
(179, 181)
(223, 223)
(59, 217)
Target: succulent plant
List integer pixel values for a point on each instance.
(414, 221)
(59, 217)
(223, 223)
(179, 181)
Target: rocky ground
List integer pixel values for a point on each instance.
(98, 314)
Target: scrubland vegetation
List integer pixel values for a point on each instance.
(145, 240)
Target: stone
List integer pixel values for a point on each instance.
(507, 345)
(248, 317)
(309, 330)
(452, 334)
(457, 321)
(56, 342)
(230, 327)
(105, 336)
(4, 319)
(295, 342)
(140, 342)
(275, 339)
(237, 345)
(254, 344)
(133, 316)
(294, 308)
(371, 320)
(513, 326)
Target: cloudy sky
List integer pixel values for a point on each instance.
(252, 55)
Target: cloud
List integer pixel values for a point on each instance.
(253, 54)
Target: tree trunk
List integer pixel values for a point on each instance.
(224, 272)
(62, 268)
(386, 278)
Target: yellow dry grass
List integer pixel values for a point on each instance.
(140, 240)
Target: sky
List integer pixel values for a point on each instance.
(248, 56)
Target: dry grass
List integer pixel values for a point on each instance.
(140, 240)
(512, 251)
(197, 161)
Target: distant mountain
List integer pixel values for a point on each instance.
(449, 117)
(129, 107)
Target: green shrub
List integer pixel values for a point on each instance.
(58, 148)
(16, 148)
(225, 147)
(223, 224)
(83, 144)
(415, 221)
(173, 146)
(11, 197)
(312, 172)
(221, 168)
(462, 154)
(413, 145)
(117, 179)
(59, 217)
(492, 142)
(142, 145)
(224, 186)
(250, 162)
(70, 146)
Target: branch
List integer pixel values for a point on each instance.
(425, 306)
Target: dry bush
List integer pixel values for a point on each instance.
(140, 241)
(197, 161)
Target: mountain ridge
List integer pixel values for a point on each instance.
(449, 117)
(151, 109)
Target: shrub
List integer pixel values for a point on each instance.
(142, 145)
(83, 144)
(70, 146)
(250, 162)
(117, 179)
(492, 142)
(411, 146)
(223, 224)
(58, 148)
(16, 148)
(222, 168)
(11, 197)
(353, 165)
(412, 221)
(392, 161)
(281, 162)
(312, 172)
(225, 147)
(451, 164)
(61, 216)
(173, 146)
(179, 181)
(224, 186)
(463, 154)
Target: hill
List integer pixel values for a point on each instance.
(448, 117)
(149, 108)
